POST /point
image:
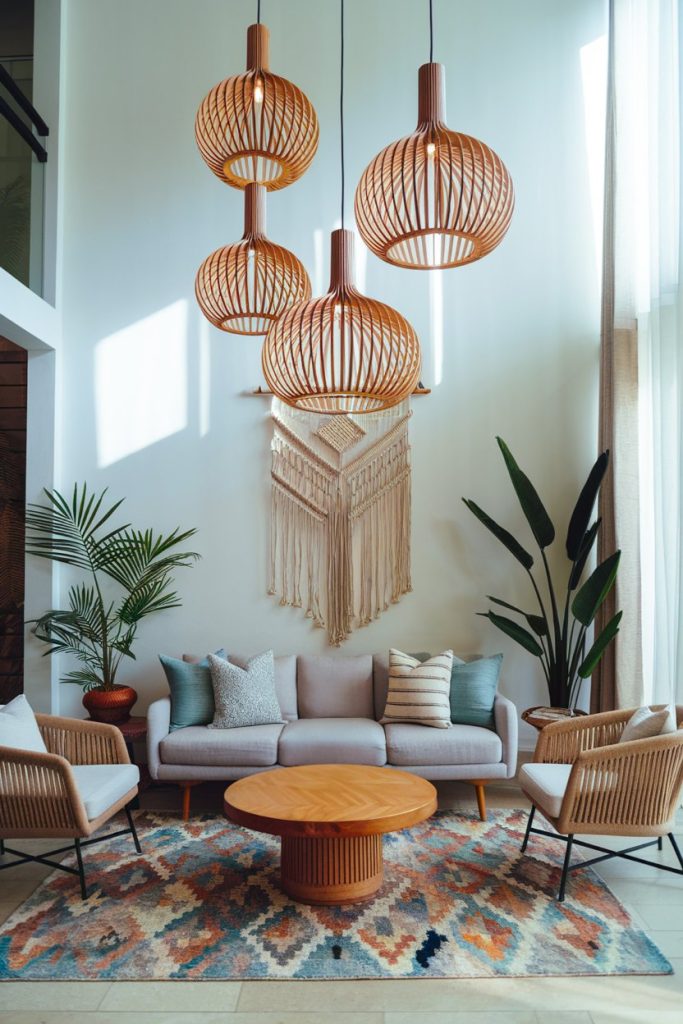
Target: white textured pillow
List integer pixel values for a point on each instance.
(244, 696)
(647, 722)
(419, 691)
(18, 726)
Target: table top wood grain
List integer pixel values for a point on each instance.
(330, 800)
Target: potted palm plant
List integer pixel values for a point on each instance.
(128, 578)
(558, 627)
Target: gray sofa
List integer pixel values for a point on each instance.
(331, 708)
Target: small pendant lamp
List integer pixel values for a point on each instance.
(257, 126)
(242, 288)
(436, 198)
(342, 353)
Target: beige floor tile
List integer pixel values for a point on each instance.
(466, 1017)
(48, 1017)
(661, 916)
(622, 1015)
(670, 942)
(55, 997)
(178, 996)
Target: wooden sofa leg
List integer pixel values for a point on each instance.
(481, 797)
(186, 788)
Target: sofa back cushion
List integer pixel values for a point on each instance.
(285, 682)
(335, 687)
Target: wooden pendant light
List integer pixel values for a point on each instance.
(242, 288)
(257, 127)
(436, 198)
(342, 353)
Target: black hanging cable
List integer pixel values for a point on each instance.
(431, 32)
(258, 12)
(341, 111)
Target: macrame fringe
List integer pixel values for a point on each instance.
(340, 530)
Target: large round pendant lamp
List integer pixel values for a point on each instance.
(257, 126)
(436, 198)
(242, 288)
(342, 353)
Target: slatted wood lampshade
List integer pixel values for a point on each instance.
(342, 353)
(436, 198)
(242, 288)
(257, 126)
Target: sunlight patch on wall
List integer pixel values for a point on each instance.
(204, 377)
(594, 79)
(141, 384)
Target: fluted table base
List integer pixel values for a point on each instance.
(331, 871)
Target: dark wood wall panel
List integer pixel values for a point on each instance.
(13, 379)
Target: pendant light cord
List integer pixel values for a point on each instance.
(258, 12)
(431, 31)
(341, 111)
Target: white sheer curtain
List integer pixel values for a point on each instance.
(647, 235)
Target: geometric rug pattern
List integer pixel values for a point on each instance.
(203, 902)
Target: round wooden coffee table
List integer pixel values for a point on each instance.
(330, 818)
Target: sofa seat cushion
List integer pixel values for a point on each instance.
(332, 741)
(410, 744)
(101, 785)
(249, 746)
(545, 784)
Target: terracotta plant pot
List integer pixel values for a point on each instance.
(110, 705)
(541, 716)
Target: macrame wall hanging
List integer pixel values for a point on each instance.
(340, 518)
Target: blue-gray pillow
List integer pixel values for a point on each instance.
(473, 690)
(191, 689)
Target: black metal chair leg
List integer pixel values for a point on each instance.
(528, 827)
(2, 847)
(81, 872)
(565, 868)
(132, 829)
(676, 849)
(660, 843)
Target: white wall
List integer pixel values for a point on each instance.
(153, 404)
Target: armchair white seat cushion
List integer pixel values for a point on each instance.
(545, 784)
(102, 785)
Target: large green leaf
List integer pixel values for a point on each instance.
(532, 506)
(598, 649)
(596, 588)
(582, 557)
(515, 631)
(578, 524)
(506, 538)
(537, 622)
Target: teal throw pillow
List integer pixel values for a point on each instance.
(473, 691)
(191, 691)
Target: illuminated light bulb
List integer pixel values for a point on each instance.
(258, 91)
(431, 149)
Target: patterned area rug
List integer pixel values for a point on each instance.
(203, 901)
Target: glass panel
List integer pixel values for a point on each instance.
(21, 188)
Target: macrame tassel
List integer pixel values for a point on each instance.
(342, 531)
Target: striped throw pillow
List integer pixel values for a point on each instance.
(419, 690)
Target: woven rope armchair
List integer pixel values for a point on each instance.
(47, 795)
(599, 786)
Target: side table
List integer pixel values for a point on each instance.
(133, 730)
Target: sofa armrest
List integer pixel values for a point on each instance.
(505, 719)
(158, 727)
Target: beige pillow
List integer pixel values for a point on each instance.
(647, 722)
(419, 691)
